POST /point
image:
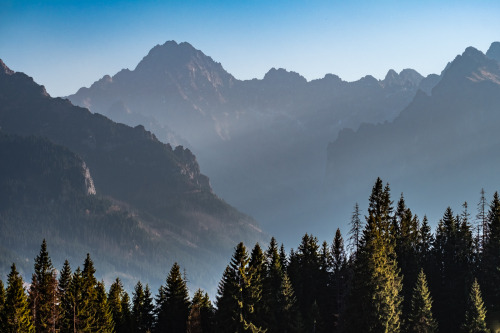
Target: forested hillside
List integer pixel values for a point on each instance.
(393, 275)
(162, 206)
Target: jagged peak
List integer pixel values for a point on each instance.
(4, 69)
(281, 75)
(494, 51)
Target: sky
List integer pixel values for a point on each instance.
(66, 44)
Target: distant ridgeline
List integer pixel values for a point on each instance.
(396, 276)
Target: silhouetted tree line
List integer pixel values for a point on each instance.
(395, 276)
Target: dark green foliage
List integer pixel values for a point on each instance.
(173, 306)
(420, 319)
(43, 293)
(104, 317)
(237, 295)
(201, 315)
(490, 279)
(16, 316)
(258, 264)
(65, 306)
(116, 296)
(142, 309)
(355, 232)
(339, 275)
(475, 316)
(453, 254)
(374, 292)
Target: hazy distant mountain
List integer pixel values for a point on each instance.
(261, 141)
(441, 150)
(159, 186)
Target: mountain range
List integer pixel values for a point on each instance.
(263, 141)
(440, 151)
(158, 190)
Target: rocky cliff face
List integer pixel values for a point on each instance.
(160, 186)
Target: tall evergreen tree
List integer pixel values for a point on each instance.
(104, 317)
(258, 264)
(174, 309)
(482, 218)
(490, 267)
(142, 309)
(127, 322)
(376, 285)
(115, 299)
(43, 292)
(420, 319)
(339, 262)
(201, 315)
(16, 315)
(475, 316)
(452, 270)
(64, 298)
(355, 233)
(237, 296)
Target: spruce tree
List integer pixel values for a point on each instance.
(261, 309)
(104, 317)
(127, 321)
(43, 292)
(115, 296)
(16, 315)
(63, 290)
(174, 308)
(142, 309)
(374, 291)
(475, 316)
(355, 232)
(237, 295)
(490, 267)
(201, 315)
(420, 319)
(339, 262)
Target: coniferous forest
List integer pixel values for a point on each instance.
(391, 273)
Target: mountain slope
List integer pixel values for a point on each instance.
(266, 136)
(161, 186)
(440, 147)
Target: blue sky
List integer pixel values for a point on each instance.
(67, 44)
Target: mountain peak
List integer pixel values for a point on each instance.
(282, 76)
(4, 69)
(494, 51)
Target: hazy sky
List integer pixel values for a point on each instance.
(68, 44)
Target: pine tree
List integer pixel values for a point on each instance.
(174, 308)
(339, 262)
(104, 317)
(43, 292)
(127, 322)
(88, 314)
(142, 309)
(289, 318)
(17, 315)
(201, 315)
(475, 316)
(374, 292)
(355, 232)
(115, 299)
(490, 267)
(237, 296)
(482, 218)
(420, 319)
(452, 270)
(63, 290)
(258, 264)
